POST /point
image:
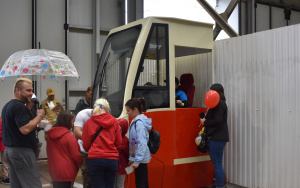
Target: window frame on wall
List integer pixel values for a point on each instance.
(157, 90)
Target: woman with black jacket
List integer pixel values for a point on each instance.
(215, 123)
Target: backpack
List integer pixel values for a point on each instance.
(154, 140)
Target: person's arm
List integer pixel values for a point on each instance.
(74, 150)
(181, 100)
(57, 101)
(78, 107)
(78, 125)
(43, 106)
(29, 127)
(86, 136)
(141, 140)
(118, 140)
(0, 128)
(78, 132)
(182, 104)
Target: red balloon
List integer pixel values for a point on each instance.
(212, 99)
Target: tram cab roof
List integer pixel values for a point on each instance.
(185, 33)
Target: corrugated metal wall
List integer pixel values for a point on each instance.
(260, 74)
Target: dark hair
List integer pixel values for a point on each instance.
(138, 103)
(219, 88)
(148, 84)
(64, 119)
(176, 81)
(58, 107)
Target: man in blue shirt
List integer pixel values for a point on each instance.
(181, 98)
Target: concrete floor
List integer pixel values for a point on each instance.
(46, 179)
(47, 183)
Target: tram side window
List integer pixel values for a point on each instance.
(152, 82)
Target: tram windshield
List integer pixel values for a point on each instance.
(113, 66)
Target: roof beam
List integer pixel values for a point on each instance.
(219, 20)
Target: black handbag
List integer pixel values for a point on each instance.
(204, 143)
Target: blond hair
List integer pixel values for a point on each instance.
(101, 104)
(89, 89)
(19, 83)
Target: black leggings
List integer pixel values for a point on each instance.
(141, 176)
(62, 184)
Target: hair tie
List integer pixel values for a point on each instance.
(100, 105)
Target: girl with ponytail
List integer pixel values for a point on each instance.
(139, 153)
(102, 148)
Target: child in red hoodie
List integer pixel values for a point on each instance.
(64, 158)
(123, 150)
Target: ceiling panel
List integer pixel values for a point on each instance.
(293, 4)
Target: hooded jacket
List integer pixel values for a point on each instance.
(106, 143)
(138, 130)
(2, 147)
(123, 149)
(64, 158)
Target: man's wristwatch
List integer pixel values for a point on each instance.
(40, 115)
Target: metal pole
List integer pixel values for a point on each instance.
(33, 40)
(66, 27)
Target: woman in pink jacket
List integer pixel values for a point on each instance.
(64, 158)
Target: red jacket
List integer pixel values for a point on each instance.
(105, 145)
(123, 149)
(64, 158)
(2, 147)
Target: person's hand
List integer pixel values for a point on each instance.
(40, 112)
(135, 165)
(179, 102)
(202, 121)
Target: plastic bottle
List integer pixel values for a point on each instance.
(133, 147)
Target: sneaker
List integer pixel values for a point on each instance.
(5, 181)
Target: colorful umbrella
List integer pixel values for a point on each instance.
(33, 62)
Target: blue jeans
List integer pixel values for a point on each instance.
(216, 150)
(103, 172)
